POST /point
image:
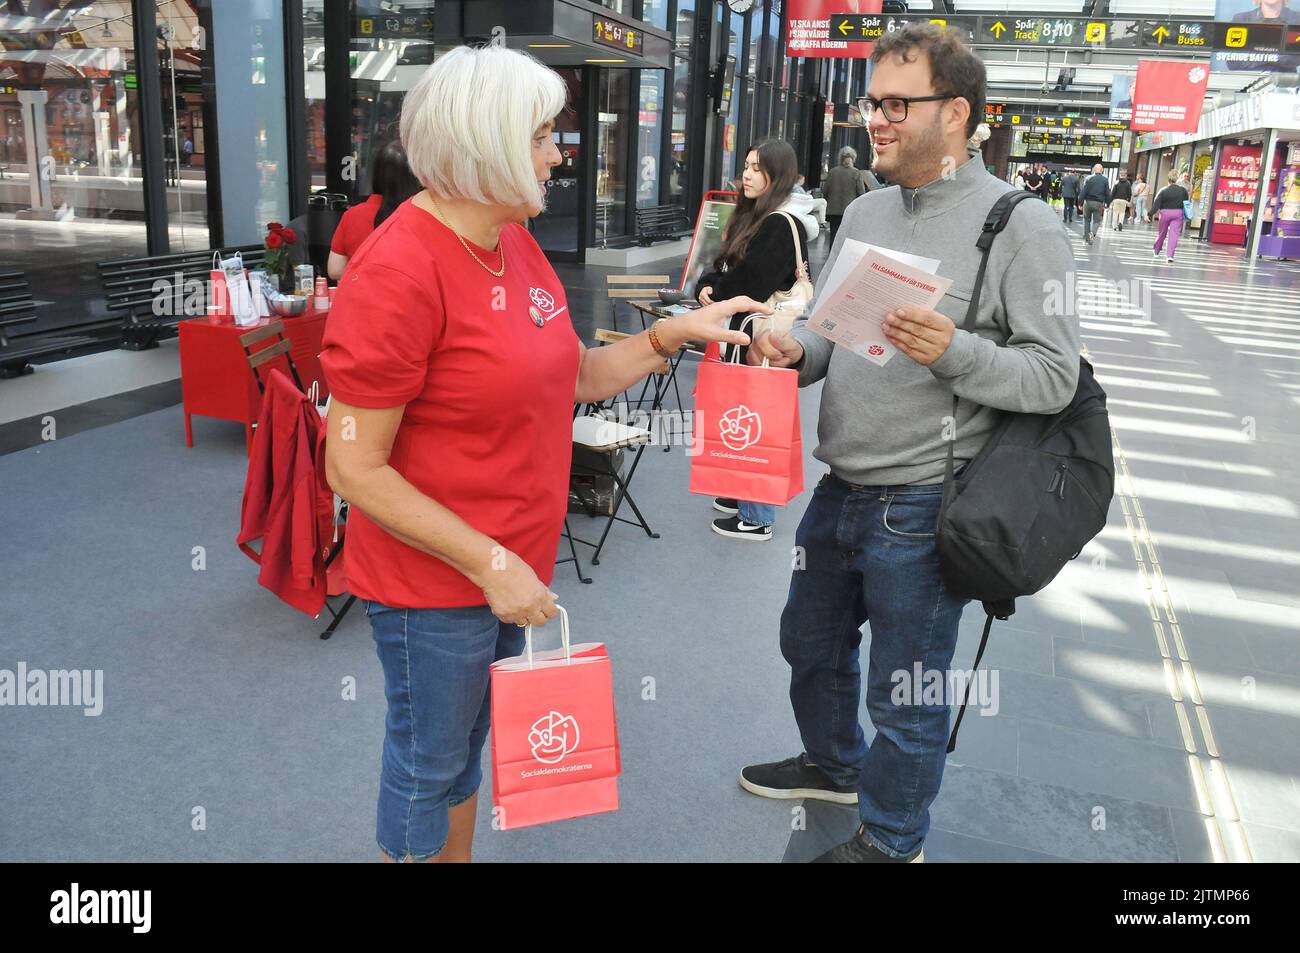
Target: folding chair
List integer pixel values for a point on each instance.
(634, 289)
(604, 438)
(255, 360)
(573, 555)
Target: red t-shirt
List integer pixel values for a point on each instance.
(355, 226)
(487, 369)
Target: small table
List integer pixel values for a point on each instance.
(216, 380)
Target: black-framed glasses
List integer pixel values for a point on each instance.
(894, 107)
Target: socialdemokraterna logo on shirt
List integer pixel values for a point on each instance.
(740, 428)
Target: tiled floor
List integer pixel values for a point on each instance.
(1147, 702)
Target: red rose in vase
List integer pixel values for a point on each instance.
(277, 242)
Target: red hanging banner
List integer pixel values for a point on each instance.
(1169, 94)
(808, 28)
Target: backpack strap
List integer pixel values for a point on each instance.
(1003, 609)
(996, 220)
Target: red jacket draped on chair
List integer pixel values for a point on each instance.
(287, 502)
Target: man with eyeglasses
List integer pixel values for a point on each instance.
(868, 536)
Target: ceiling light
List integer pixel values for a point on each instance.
(549, 46)
(606, 61)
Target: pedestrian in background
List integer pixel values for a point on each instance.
(1168, 207)
(843, 185)
(1120, 197)
(1070, 194)
(1095, 197)
(1141, 199)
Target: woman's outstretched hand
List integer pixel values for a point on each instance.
(710, 323)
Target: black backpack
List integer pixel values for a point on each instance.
(1032, 498)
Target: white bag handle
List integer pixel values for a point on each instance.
(564, 638)
(735, 354)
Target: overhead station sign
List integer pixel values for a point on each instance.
(1063, 139)
(1176, 34)
(813, 28)
(1006, 114)
(1078, 32)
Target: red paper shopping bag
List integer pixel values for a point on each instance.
(218, 283)
(748, 445)
(554, 738)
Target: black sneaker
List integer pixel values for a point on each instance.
(859, 850)
(795, 778)
(736, 528)
(724, 505)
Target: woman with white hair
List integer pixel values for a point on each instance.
(454, 368)
(843, 185)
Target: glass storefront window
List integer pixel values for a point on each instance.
(249, 67)
(384, 63)
(755, 31)
(611, 153)
(649, 130)
(685, 31)
(655, 12)
(729, 129)
(313, 59)
(71, 186)
(184, 54)
(556, 229)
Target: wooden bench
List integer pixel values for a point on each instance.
(16, 304)
(661, 223)
(149, 311)
(18, 349)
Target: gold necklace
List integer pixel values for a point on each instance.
(464, 244)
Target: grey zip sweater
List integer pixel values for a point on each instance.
(889, 425)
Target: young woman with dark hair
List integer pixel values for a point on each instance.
(759, 258)
(391, 184)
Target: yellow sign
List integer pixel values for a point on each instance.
(1065, 121)
(845, 29)
(938, 22)
(367, 25)
(1160, 34)
(998, 29)
(1095, 33)
(1236, 36)
(1015, 120)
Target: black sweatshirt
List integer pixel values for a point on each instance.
(768, 265)
(1171, 197)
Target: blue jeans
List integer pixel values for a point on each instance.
(757, 514)
(435, 665)
(870, 556)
